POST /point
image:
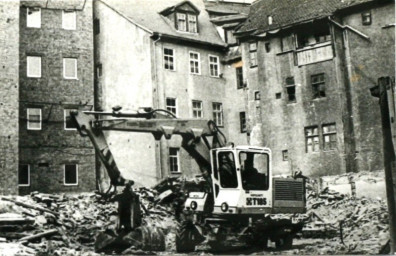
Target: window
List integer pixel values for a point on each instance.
(181, 22)
(33, 66)
(214, 66)
(257, 95)
(285, 155)
(197, 109)
(70, 68)
(34, 118)
(270, 20)
(242, 121)
(96, 26)
(239, 78)
(329, 137)
(194, 63)
(99, 70)
(24, 175)
(366, 18)
(318, 86)
(227, 171)
(267, 46)
(318, 32)
(71, 174)
(291, 90)
(169, 59)
(253, 54)
(192, 23)
(278, 95)
(218, 113)
(33, 18)
(254, 170)
(69, 124)
(311, 139)
(69, 20)
(171, 105)
(174, 160)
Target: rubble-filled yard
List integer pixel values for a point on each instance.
(67, 224)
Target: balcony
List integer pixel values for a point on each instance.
(316, 53)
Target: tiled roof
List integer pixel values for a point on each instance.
(146, 14)
(55, 4)
(226, 7)
(289, 12)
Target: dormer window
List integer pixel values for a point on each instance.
(186, 22)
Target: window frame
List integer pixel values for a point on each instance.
(178, 16)
(28, 64)
(325, 134)
(239, 78)
(242, 122)
(167, 55)
(29, 24)
(317, 86)
(217, 64)
(198, 60)
(64, 24)
(217, 112)
(197, 110)
(65, 112)
(64, 175)
(306, 136)
(195, 22)
(28, 121)
(177, 157)
(75, 68)
(367, 14)
(253, 52)
(169, 108)
(19, 168)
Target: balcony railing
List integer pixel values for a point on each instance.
(315, 53)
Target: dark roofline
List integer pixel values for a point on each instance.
(157, 35)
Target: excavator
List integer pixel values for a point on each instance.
(241, 199)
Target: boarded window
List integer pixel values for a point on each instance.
(194, 63)
(33, 66)
(34, 119)
(71, 174)
(169, 59)
(214, 66)
(171, 105)
(33, 17)
(318, 86)
(24, 175)
(239, 78)
(253, 54)
(70, 68)
(174, 160)
(242, 121)
(197, 109)
(311, 139)
(69, 20)
(69, 124)
(329, 137)
(218, 113)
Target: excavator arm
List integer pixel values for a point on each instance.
(198, 135)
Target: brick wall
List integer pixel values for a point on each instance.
(48, 149)
(9, 32)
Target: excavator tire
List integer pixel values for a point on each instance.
(284, 243)
(185, 240)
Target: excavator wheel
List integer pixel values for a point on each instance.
(284, 243)
(185, 237)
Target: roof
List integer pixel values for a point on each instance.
(146, 14)
(223, 8)
(55, 4)
(289, 12)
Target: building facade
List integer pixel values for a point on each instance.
(314, 70)
(55, 76)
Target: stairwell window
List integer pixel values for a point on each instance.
(70, 174)
(24, 175)
(171, 105)
(169, 59)
(197, 109)
(69, 68)
(34, 118)
(311, 139)
(253, 54)
(69, 20)
(195, 63)
(329, 137)
(174, 165)
(69, 124)
(214, 66)
(218, 113)
(33, 17)
(242, 121)
(318, 86)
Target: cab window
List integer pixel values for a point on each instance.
(254, 170)
(227, 171)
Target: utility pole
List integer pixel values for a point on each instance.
(385, 91)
